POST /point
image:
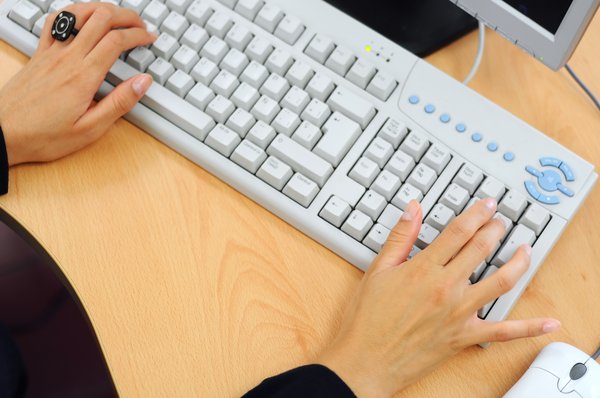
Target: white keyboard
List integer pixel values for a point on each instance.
(334, 128)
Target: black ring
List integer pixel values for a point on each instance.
(64, 26)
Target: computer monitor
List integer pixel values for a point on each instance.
(549, 30)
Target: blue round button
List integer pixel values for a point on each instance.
(445, 118)
(461, 127)
(509, 156)
(549, 180)
(414, 99)
(492, 147)
(429, 108)
(476, 137)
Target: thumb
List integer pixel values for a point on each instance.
(402, 238)
(120, 101)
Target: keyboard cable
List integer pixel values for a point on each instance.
(478, 57)
(596, 355)
(584, 87)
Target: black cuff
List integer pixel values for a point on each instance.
(311, 381)
(3, 165)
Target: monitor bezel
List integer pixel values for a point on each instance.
(554, 50)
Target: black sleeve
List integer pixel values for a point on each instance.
(311, 381)
(3, 165)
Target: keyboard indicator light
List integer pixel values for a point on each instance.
(461, 127)
(429, 108)
(368, 48)
(492, 147)
(509, 156)
(477, 137)
(414, 99)
(445, 118)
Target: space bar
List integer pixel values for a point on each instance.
(165, 103)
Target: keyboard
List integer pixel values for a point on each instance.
(334, 128)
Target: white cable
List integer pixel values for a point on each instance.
(479, 56)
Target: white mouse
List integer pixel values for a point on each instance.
(560, 371)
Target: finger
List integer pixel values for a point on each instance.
(477, 249)
(114, 43)
(46, 38)
(502, 281)
(460, 231)
(491, 332)
(102, 21)
(401, 239)
(82, 13)
(120, 101)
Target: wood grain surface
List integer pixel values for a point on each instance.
(196, 291)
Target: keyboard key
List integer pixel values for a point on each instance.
(361, 73)
(301, 190)
(218, 25)
(25, 14)
(165, 46)
(241, 122)
(320, 48)
(296, 100)
(316, 112)
(290, 29)
(386, 184)
(426, 236)
(215, 49)
(205, 71)
(135, 5)
(249, 8)
(224, 84)
(469, 177)
(275, 87)
(401, 164)
(155, 12)
(365, 171)
(249, 156)
(223, 140)
(340, 61)
(455, 197)
(382, 86)
(491, 188)
(339, 134)
(377, 238)
(44, 5)
(195, 37)
(407, 194)
(262, 135)
(300, 74)
(59, 5)
(485, 310)
(175, 25)
(269, 17)
(265, 109)
(380, 151)
(508, 225)
(275, 173)
(477, 272)
(422, 178)
(220, 109)
(239, 37)
(200, 96)
(235, 62)
(336, 211)
(307, 135)
(179, 6)
(286, 122)
(161, 70)
(255, 74)
(415, 145)
(512, 205)
(259, 50)
(357, 225)
(180, 83)
(372, 204)
(440, 216)
(228, 3)
(185, 59)
(520, 235)
(199, 12)
(300, 159)
(353, 106)
(39, 25)
(245, 96)
(320, 87)
(279, 62)
(393, 132)
(140, 58)
(437, 157)
(535, 218)
(390, 217)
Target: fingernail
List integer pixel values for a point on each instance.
(551, 326)
(527, 249)
(141, 84)
(491, 204)
(411, 211)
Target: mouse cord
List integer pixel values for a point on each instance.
(596, 355)
(478, 57)
(583, 86)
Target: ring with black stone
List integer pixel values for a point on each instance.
(64, 26)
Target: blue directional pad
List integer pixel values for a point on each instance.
(550, 180)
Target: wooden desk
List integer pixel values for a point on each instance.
(194, 290)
